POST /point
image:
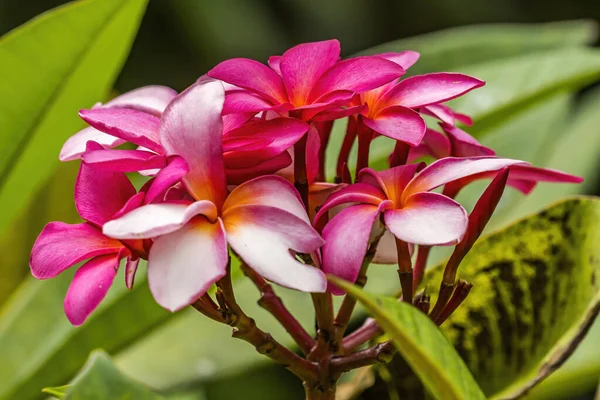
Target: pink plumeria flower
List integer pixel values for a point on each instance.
(458, 143)
(99, 196)
(148, 99)
(262, 219)
(307, 79)
(410, 211)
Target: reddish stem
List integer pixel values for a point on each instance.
(300, 179)
(420, 265)
(458, 296)
(400, 154)
(405, 271)
(368, 331)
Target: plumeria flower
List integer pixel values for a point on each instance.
(306, 80)
(409, 210)
(263, 220)
(148, 99)
(99, 196)
(458, 143)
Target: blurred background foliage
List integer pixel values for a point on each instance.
(178, 41)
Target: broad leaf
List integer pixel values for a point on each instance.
(99, 379)
(421, 344)
(536, 292)
(59, 62)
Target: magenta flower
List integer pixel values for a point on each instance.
(99, 196)
(410, 211)
(261, 219)
(308, 79)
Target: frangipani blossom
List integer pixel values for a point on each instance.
(410, 211)
(148, 99)
(99, 196)
(263, 220)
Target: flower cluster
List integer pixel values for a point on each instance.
(236, 162)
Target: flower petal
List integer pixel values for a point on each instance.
(151, 99)
(184, 264)
(239, 176)
(274, 62)
(89, 286)
(399, 123)
(428, 219)
(191, 127)
(75, 146)
(130, 125)
(445, 114)
(395, 180)
(346, 239)
(422, 90)
(167, 177)
(272, 191)
(263, 237)
(449, 169)
(124, 160)
(251, 75)
(465, 145)
(232, 121)
(405, 59)
(358, 74)
(242, 101)
(434, 144)
(153, 220)
(302, 66)
(61, 245)
(131, 267)
(356, 193)
(99, 193)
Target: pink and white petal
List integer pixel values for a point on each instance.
(89, 286)
(251, 75)
(239, 176)
(167, 177)
(99, 193)
(274, 62)
(395, 180)
(423, 90)
(124, 160)
(465, 145)
(529, 172)
(76, 145)
(272, 191)
(363, 193)
(191, 127)
(346, 239)
(242, 101)
(131, 267)
(399, 123)
(434, 144)
(358, 74)
(303, 65)
(130, 125)
(61, 245)
(428, 219)
(151, 99)
(263, 237)
(153, 220)
(133, 203)
(450, 169)
(184, 264)
(405, 59)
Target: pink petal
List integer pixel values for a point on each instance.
(232, 121)
(399, 123)
(333, 113)
(405, 59)
(356, 193)
(346, 240)
(153, 220)
(61, 245)
(274, 62)
(251, 75)
(422, 90)
(302, 66)
(434, 144)
(272, 191)
(131, 267)
(238, 176)
(191, 127)
(167, 177)
(150, 99)
(358, 74)
(133, 203)
(450, 169)
(89, 286)
(465, 145)
(99, 193)
(263, 237)
(395, 180)
(75, 146)
(528, 172)
(242, 101)
(428, 219)
(184, 264)
(124, 160)
(445, 114)
(130, 125)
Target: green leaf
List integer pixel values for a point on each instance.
(54, 65)
(421, 344)
(99, 379)
(536, 292)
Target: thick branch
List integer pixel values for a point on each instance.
(380, 353)
(368, 331)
